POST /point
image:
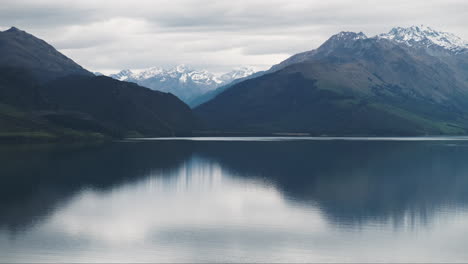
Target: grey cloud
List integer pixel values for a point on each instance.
(115, 34)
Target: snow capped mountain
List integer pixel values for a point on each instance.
(423, 36)
(148, 73)
(237, 74)
(188, 83)
(436, 43)
(123, 75)
(181, 72)
(182, 81)
(344, 35)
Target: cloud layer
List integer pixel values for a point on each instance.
(217, 35)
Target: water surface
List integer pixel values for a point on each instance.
(241, 200)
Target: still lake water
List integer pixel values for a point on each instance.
(244, 200)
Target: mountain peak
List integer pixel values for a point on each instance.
(21, 49)
(14, 29)
(425, 36)
(123, 75)
(342, 39)
(181, 80)
(18, 32)
(181, 68)
(237, 73)
(347, 35)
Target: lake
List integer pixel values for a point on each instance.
(236, 200)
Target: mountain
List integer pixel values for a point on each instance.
(205, 97)
(19, 49)
(352, 85)
(427, 38)
(236, 74)
(123, 108)
(342, 38)
(182, 81)
(46, 96)
(294, 59)
(26, 112)
(123, 75)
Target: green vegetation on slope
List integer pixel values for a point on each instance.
(19, 126)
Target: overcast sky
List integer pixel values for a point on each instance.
(217, 35)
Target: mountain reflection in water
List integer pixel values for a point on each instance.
(277, 201)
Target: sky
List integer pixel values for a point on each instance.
(110, 35)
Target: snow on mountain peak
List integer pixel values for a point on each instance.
(237, 73)
(123, 75)
(344, 35)
(182, 68)
(425, 36)
(182, 74)
(150, 72)
(181, 80)
(343, 38)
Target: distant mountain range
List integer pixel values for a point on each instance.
(182, 81)
(46, 96)
(410, 81)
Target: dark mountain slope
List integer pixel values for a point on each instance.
(121, 106)
(26, 113)
(44, 93)
(198, 100)
(28, 126)
(19, 49)
(20, 89)
(72, 105)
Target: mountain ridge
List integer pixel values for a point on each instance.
(310, 54)
(358, 82)
(46, 96)
(181, 80)
(427, 37)
(19, 49)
